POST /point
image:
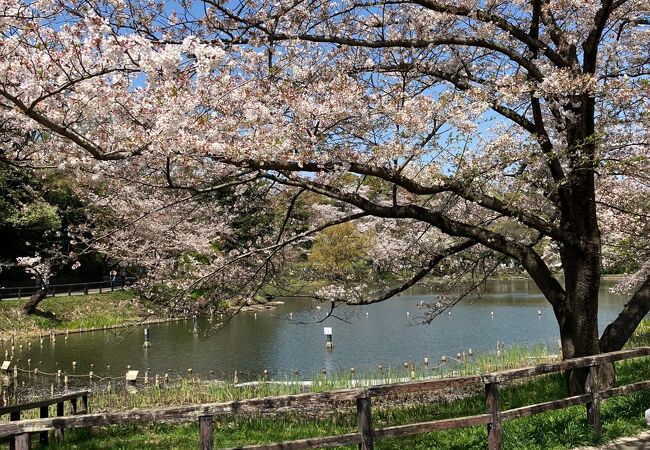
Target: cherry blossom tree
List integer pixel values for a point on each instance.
(41, 270)
(492, 131)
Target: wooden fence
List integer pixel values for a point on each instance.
(366, 433)
(43, 406)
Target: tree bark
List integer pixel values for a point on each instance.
(581, 263)
(578, 336)
(30, 306)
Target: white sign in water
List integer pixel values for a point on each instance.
(327, 331)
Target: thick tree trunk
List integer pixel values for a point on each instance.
(581, 262)
(579, 337)
(577, 315)
(30, 306)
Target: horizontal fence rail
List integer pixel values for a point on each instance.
(20, 292)
(492, 419)
(22, 441)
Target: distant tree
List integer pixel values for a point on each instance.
(41, 270)
(340, 250)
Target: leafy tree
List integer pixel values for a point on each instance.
(340, 250)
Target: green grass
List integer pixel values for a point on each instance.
(561, 429)
(70, 313)
(183, 390)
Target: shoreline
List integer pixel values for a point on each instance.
(33, 328)
(32, 334)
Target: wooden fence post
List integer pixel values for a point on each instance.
(84, 404)
(60, 411)
(593, 407)
(364, 421)
(44, 414)
(13, 417)
(493, 408)
(22, 441)
(205, 428)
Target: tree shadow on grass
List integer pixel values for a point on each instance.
(49, 315)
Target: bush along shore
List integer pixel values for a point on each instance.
(561, 429)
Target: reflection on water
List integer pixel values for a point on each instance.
(377, 334)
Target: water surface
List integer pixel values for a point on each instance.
(377, 334)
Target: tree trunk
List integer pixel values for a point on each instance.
(30, 306)
(578, 315)
(579, 337)
(581, 259)
(577, 380)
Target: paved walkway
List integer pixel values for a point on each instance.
(639, 442)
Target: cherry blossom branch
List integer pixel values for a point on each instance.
(500, 22)
(437, 310)
(419, 275)
(525, 255)
(275, 247)
(287, 216)
(536, 127)
(65, 132)
(187, 198)
(470, 13)
(445, 185)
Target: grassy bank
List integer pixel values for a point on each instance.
(562, 429)
(70, 313)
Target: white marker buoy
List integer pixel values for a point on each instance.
(328, 333)
(147, 342)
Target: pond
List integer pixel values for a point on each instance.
(388, 333)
